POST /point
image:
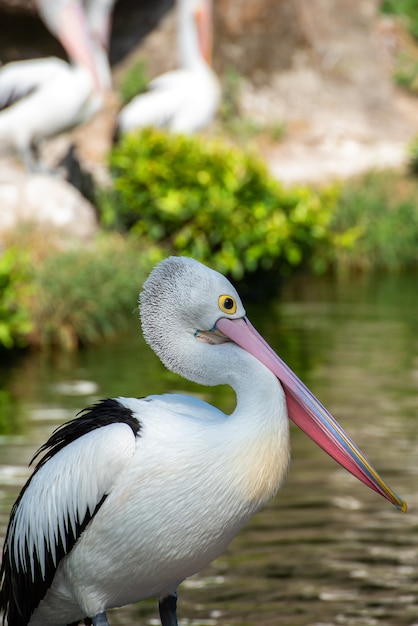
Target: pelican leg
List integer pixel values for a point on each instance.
(29, 156)
(167, 607)
(100, 620)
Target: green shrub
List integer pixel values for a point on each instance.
(408, 9)
(134, 81)
(413, 156)
(406, 72)
(84, 294)
(375, 226)
(14, 287)
(213, 202)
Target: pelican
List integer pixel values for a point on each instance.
(135, 495)
(42, 98)
(83, 27)
(183, 100)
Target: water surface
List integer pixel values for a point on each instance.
(327, 551)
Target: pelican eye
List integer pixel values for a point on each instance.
(227, 304)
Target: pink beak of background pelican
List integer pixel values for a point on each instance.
(74, 34)
(306, 411)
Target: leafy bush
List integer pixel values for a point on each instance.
(413, 156)
(408, 9)
(133, 82)
(14, 318)
(213, 202)
(406, 72)
(375, 226)
(82, 295)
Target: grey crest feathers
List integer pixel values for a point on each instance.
(172, 309)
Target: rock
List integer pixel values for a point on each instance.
(45, 201)
(324, 159)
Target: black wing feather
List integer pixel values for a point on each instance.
(21, 593)
(14, 96)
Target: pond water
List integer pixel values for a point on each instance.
(326, 551)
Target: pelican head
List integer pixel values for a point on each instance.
(194, 320)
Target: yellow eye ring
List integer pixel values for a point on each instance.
(227, 304)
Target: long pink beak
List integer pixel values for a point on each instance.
(306, 411)
(203, 19)
(73, 32)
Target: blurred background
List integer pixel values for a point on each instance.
(338, 77)
(277, 142)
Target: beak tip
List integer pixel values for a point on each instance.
(402, 506)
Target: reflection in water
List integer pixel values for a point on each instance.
(326, 551)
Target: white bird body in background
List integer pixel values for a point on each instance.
(135, 495)
(18, 78)
(42, 98)
(55, 101)
(183, 100)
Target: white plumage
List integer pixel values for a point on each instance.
(135, 495)
(42, 98)
(183, 100)
(57, 102)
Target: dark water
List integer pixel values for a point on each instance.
(327, 551)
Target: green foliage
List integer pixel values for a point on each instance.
(133, 82)
(230, 94)
(375, 225)
(85, 294)
(14, 318)
(406, 72)
(408, 9)
(213, 202)
(241, 128)
(413, 156)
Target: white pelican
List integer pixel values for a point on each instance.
(83, 28)
(135, 495)
(42, 98)
(183, 100)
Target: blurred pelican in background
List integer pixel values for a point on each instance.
(42, 98)
(184, 100)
